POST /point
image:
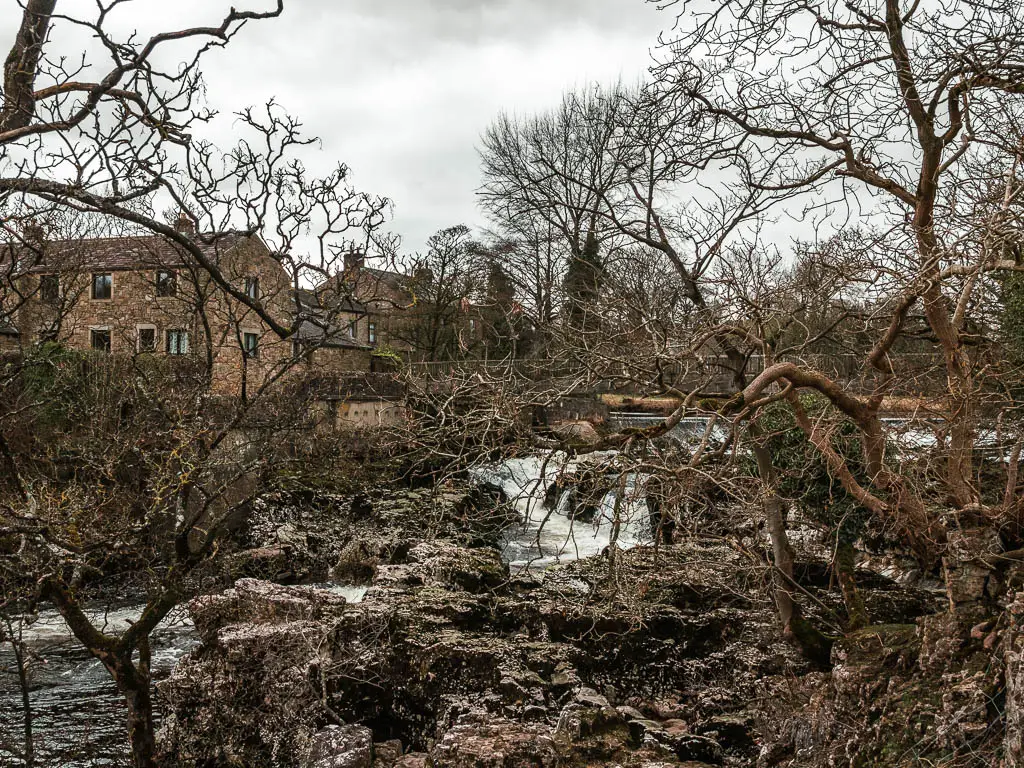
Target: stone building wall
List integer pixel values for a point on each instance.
(214, 321)
(9, 343)
(331, 360)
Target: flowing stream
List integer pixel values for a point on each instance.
(78, 714)
(552, 531)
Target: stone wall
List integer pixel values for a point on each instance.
(214, 321)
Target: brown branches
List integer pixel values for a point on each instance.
(22, 64)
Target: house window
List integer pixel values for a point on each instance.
(49, 288)
(353, 328)
(147, 338)
(102, 285)
(99, 339)
(251, 344)
(252, 288)
(177, 342)
(372, 331)
(166, 282)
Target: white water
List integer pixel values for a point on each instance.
(79, 715)
(550, 536)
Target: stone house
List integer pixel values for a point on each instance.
(396, 316)
(386, 296)
(143, 295)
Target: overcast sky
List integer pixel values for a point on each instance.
(401, 90)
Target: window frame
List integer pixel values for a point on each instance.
(92, 286)
(251, 287)
(161, 287)
(371, 332)
(98, 329)
(182, 333)
(254, 352)
(138, 337)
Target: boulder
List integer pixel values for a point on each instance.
(261, 602)
(341, 746)
(578, 433)
(387, 753)
(499, 743)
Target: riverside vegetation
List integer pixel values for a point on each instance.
(794, 251)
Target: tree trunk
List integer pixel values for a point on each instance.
(134, 683)
(22, 64)
(959, 469)
(782, 551)
(856, 611)
(141, 729)
(813, 643)
(18, 648)
(1013, 741)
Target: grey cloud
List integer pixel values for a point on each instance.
(402, 89)
(470, 21)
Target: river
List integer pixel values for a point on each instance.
(78, 715)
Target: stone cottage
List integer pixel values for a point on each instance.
(144, 295)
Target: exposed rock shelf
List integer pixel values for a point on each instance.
(451, 661)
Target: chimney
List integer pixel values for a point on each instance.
(354, 260)
(34, 234)
(184, 224)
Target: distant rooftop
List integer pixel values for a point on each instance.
(114, 253)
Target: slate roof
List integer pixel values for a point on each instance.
(312, 333)
(312, 302)
(370, 284)
(321, 332)
(117, 253)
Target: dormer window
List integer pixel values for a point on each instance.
(166, 282)
(252, 288)
(102, 286)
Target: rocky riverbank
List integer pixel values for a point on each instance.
(668, 656)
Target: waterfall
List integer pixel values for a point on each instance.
(551, 535)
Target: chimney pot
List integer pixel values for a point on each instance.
(184, 224)
(354, 260)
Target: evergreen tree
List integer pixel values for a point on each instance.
(501, 313)
(583, 281)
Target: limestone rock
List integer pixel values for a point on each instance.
(497, 744)
(344, 746)
(578, 433)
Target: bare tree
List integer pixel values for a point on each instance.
(442, 324)
(887, 132)
(114, 133)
